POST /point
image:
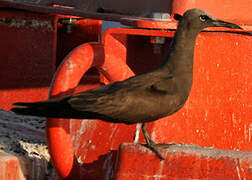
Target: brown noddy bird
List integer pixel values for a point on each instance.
(142, 98)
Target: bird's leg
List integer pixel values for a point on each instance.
(138, 129)
(150, 143)
(147, 138)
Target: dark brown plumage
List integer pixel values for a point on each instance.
(142, 98)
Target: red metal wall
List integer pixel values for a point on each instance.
(32, 46)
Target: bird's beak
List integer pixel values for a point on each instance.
(219, 23)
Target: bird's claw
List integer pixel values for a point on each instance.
(153, 149)
(150, 143)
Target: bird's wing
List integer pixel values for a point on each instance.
(165, 85)
(108, 101)
(98, 97)
(126, 100)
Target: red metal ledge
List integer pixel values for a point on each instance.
(182, 162)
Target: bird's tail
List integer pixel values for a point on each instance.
(54, 109)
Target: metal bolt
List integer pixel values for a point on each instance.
(158, 16)
(158, 43)
(68, 24)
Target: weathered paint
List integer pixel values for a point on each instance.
(182, 162)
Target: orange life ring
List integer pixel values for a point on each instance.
(67, 77)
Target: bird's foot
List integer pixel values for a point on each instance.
(150, 143)
(153, 148)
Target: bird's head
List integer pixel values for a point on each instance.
(199, 19)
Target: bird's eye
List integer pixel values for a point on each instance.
(203, 18)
